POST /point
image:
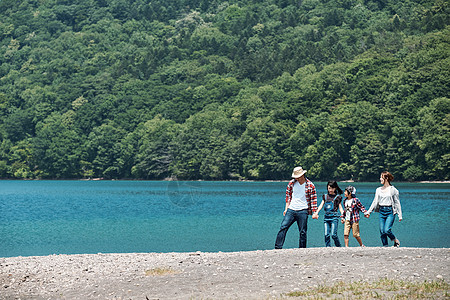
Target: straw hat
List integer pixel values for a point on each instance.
(298, 172)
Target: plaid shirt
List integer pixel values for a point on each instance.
(310, 192)
(356, 208)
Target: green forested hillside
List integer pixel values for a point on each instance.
(208, 89)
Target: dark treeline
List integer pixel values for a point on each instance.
(207, 89)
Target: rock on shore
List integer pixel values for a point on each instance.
(199, 275)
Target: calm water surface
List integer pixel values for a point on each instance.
(55, 217)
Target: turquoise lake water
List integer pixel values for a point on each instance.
(72, 217)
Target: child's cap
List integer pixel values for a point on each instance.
(351, 190)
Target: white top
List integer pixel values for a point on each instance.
(348, 208)
(386, 197)
(298, 201)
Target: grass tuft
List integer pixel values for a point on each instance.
(160, 272)
(381, 289)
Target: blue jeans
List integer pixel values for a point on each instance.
(387, 219)
(301, 216)
(331, 225)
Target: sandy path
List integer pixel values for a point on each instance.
(242, 275)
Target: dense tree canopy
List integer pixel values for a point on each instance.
(215, 90)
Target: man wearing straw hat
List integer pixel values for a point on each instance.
(301, 201)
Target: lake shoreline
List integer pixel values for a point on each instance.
(218, 275)
(202, 180)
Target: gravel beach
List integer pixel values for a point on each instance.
(223, 275)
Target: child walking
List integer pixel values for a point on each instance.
(350, 216)
(331, 204)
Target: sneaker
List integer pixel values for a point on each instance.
(396, 243)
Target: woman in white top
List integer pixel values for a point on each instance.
(387, 203)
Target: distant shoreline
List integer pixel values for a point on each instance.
(202, 180)
(444, 181)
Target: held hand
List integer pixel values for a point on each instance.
(315, 215)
